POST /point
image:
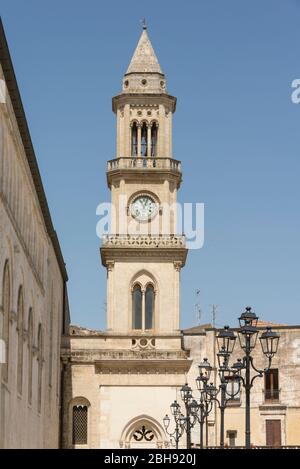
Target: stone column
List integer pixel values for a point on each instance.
(149, 140)
(177, 267)
(126, 130)
(110, 295)
(139, 140)
(143, 310)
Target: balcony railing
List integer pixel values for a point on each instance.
(144, 241)
(132, 163)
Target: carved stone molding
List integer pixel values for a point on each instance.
(145, 241)
(177, 265)
(110, 265)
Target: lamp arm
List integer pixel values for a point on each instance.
(209, 408)
(195, 419)
(217, 400)
(241, 380)
(260, 373)
(269, 365)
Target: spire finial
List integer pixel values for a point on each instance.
(144, 24)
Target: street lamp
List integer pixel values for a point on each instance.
(248, 334)
(204, 406)
(179, 423)
(269, 342)
(226, 340)
(199, 410)
(186, 396)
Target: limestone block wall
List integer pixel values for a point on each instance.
(29, 417)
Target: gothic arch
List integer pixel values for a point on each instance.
(143, 278)
(148, 431)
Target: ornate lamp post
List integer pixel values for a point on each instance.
(204, 407)
(225, 341)
(247, 334)
(179, 424)
(226, 375)
(186, 396)
(198, 411)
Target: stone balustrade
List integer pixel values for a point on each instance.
(144, 241)
(132, 163)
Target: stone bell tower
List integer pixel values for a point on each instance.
(143, 254)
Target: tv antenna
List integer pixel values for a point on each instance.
(214, 309)
(198, 308)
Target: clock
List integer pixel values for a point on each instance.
(143, 207)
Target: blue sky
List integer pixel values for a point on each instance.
(236, 131)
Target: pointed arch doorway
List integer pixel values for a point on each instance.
(143, 432)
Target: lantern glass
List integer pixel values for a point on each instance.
(199, 383)
(166, 421)
(175, 408)
(248, 317)
(205, 369)
(186, 393)
(194, 406)
(238, 366)
(247, 337)
(226, 340)
(269, 342)
(211, 390)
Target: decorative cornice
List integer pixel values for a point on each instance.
(140, 253)
(143, 99)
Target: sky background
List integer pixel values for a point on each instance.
(236, 131)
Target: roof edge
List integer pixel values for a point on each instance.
(13, 89)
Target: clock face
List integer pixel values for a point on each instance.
(143, 207)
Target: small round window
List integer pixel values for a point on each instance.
(144, 82)
(126, 83)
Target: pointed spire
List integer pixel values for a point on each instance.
(144, 59)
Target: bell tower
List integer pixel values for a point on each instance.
(143, 254)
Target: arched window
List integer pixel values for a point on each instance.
(134, 140)
(149, 307)
(143, 307)
(80, 425)
(144, 139)
(6, 312)
(154, 139)
(40, 365)
(20, 341)
(30, 354)
(137, 307)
